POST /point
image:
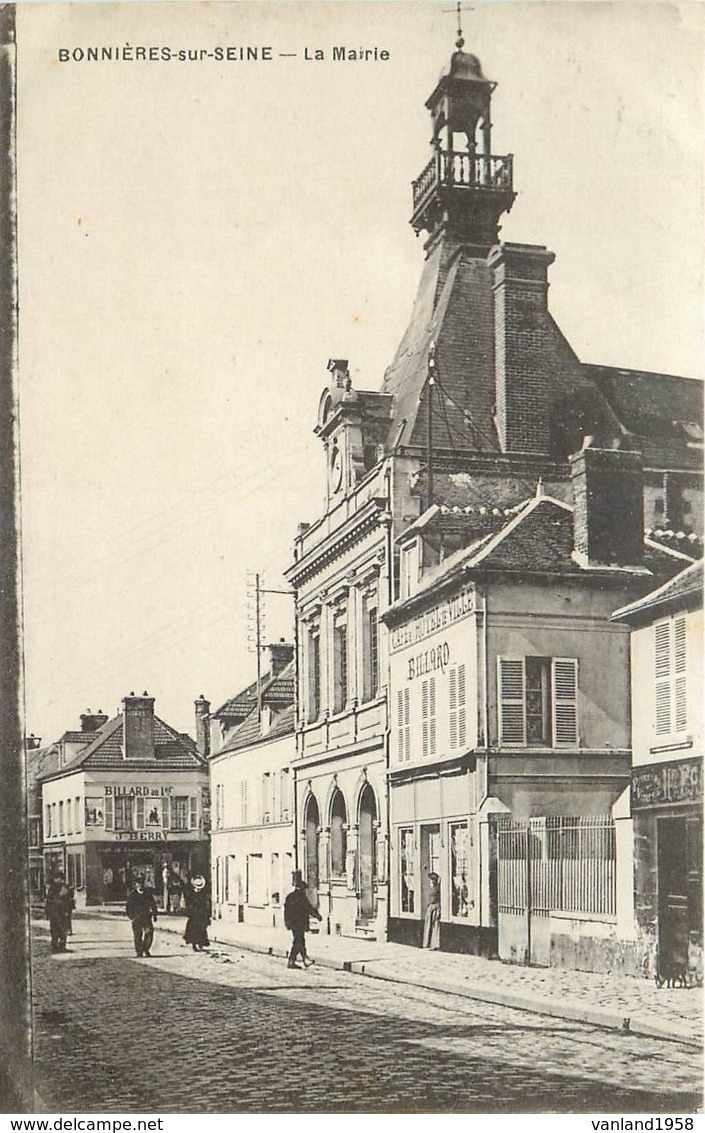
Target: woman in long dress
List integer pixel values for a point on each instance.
(432, 922)
(198, 913)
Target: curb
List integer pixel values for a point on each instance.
(575, 1012)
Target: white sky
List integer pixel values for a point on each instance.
(197, 239)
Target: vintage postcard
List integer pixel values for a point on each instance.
(353, 400)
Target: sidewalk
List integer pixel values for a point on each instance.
(616, 1002)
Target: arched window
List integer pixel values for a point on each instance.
(338, 834)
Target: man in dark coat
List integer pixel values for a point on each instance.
(59, 906)
(142, 911)
(297, 910)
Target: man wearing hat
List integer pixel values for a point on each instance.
(297, 910)
(142, 911)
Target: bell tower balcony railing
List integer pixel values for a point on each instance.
(457, 170)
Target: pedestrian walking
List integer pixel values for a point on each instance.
(432, 921)
(59, 906)
(199, 914)
(297, 911)
(141, 908)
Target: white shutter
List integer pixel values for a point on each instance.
(461, 706)
(453, 714)
(662, 673)
(193, 812)
(407, 728)
(565, 701)
(511, 701)
(109, 812)
(432, 716)
(400, 725)
(140, 812)
(424, 718)
(680, 706)
(165, 813)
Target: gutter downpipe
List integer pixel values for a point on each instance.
(486, 736)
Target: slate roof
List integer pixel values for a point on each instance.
(663, 410)
(454, 308)
(681, 592)
(104, 753)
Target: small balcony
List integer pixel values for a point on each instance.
(463, 171)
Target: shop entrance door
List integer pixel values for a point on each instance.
(430, 860)
(672, 899)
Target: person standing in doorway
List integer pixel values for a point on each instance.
(432, 922)
(141, 908)
(198, 912)
(59, 906)
(297, 910)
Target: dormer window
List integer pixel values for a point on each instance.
(410, 560)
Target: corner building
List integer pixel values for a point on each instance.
(484, 398)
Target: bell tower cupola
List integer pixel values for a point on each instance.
(464, 188)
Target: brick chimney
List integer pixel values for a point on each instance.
(280, 654)
(138, 723)
(533, 362)
(203, 731)
(92, 721)
(608, 516)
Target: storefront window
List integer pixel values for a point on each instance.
(459, 868)
(407, 871)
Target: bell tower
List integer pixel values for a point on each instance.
(464, 188)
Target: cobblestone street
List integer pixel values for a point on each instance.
(233, 1031)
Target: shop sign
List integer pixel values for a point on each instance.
(139, 836)
(438, 617)
(662, 784)
(144, 792)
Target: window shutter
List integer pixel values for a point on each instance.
(193, 812)
(109, 812)
(565, 701)
(432, 716)
(400, 725)
(424, 718)
(462, 739)
(165, 813)
(512, 710)
(662, 672)
(680, 706)
(140, 812)
(407, 729)
(453, 721)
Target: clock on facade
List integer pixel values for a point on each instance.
(336, 468)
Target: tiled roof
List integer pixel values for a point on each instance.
(469, 489)
(77, 737)
(250, 731)
(277, 689)
(171, 752)
(538, 538)
(686, 589)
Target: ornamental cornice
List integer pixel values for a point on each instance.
(370, 516)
